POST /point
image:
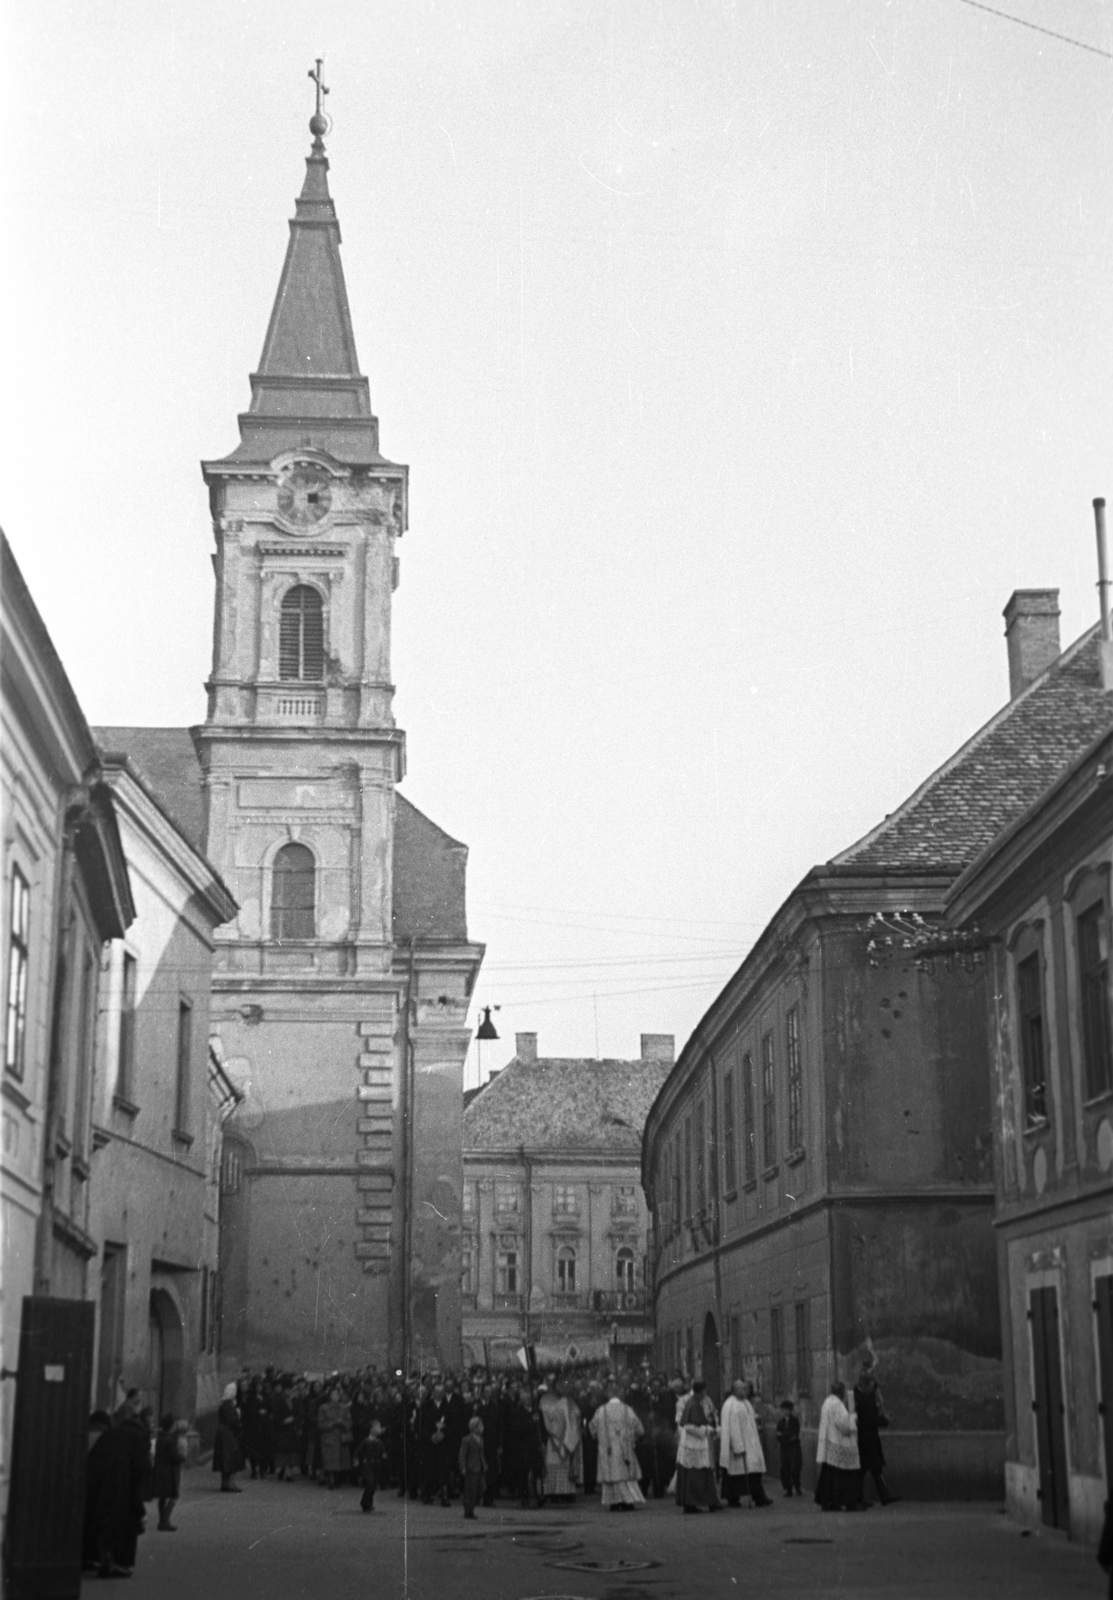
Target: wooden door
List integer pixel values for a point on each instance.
(50, 1443)
(1103, 1319)
(1049, 1407)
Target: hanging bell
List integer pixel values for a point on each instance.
(487, 1029)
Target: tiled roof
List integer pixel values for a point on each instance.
(429, 878)
(167, 761)
(565, 1103)
(997, 774)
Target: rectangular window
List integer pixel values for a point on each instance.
(676, 1197)
(795, 1097)
(471, 1197)
(687, 1168)
(1093, 975)
(125, 1063)
(768, 1103)
(777, 1351)
(701, 1159)
(803, 1349)
(1029, 993)
(231, 1170)
(182, 1083)
(508, 1197)
(468, 1265)
(19, 946)
(730, 1164)
(507, 1271)
(736, 1345)
(749, 1150)
(624, 1200)
(204, 1345)
(566, 1201)
(86, 1029)
(566, 1271)
(214, 1311)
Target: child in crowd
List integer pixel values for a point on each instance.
(792, 1456)
(370, 1456)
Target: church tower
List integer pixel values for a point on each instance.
(342, 988)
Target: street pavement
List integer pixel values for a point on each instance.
(281, 1541)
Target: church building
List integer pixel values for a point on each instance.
(341, 987)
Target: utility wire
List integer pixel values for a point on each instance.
(1064, 38)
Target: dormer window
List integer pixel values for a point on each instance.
(301, 636)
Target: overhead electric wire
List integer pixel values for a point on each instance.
(1022, 22)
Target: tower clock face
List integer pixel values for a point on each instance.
(304, 496)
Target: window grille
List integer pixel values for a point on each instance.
(125, 1063)
(293, 893)
(231, 1170)
(1093, 972)
(301, 636)
(185, 1046)
(701, 1154)
(795, 1099)
(1029, 989)
(730, 1163)
(777, 1351)
(768, 1103)
(566, 1202)
(687, 1167)
(19, 945)
(467, 1266)
(749, 1143)
(803, 1349)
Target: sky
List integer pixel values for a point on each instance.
(745, 357)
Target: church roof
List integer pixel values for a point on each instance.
(166, 760)
(997, 774)
(565, 1103)
(308, 390)
(429, 879)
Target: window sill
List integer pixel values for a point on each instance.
(771, 1171)
(180, 1136)
(101, 1136)
(120, 1102)
(749, 1186)
(1095, 1102)
(80, 1169)
(1035, 1129)
(795, 1157)
(13, 1091)
(731, 1194)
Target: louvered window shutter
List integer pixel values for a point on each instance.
(301, 636)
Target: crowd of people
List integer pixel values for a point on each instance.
(529, 1438)
(534, 1439)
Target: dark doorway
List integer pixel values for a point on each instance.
(1103, 1318)
(164, 1368)
(110, 1348)
(712, 1372)
(1049, 1407)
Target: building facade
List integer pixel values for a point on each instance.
(343, 983)
(66, 892)
(154, 1112)
(555, 1226)
(820, 1162)
(1038, 901)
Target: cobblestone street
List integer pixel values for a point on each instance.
(279, 1540)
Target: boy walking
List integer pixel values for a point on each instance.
(370, 1456)
(472, 1466)
(792, 1456)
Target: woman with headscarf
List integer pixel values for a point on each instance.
(563, 1453)
(334, 1424)
(837, 1454)
(227, 1454)
(695, 1454)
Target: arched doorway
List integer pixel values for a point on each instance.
(711, 1372)
(165, 1358)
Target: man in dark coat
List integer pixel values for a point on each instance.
(433, 1425)
(166, 1478)
(117, 1468)
(869, 1412)
(490, 1413)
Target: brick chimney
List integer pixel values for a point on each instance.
(525, 1047)
(1032, 633)
(660, 1047)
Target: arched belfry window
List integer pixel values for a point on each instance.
(301, 635)
(293, 893)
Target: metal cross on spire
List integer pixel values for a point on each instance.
(319, 122)
(317, 74)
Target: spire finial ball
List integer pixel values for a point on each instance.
(318, 126)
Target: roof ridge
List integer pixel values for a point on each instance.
(964, 750)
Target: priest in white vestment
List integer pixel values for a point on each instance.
(741, 1457)
(616, 1429)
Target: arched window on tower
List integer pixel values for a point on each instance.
(293, 893)
(301, 636)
